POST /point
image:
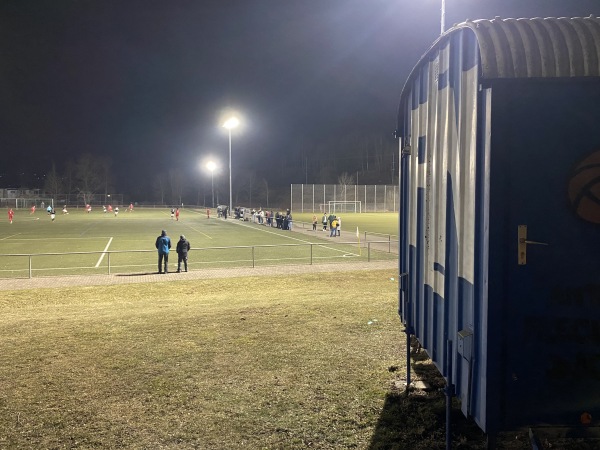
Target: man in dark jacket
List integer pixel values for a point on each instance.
(163, 245)
(183, 247)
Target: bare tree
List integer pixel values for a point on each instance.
(343, 181)
(160, 186)
(53, 184)
(176, 185)
(88, 175)
(68, 177)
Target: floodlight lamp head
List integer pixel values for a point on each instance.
(230, 123)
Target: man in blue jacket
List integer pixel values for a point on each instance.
(163, 244)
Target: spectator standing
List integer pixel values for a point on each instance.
(163, 245)
(314, 222)
(324, 221)
(330, 220)
(333, 227)
(183, 247)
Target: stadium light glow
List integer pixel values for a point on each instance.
(230, 123)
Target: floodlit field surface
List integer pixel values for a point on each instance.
(125, 244)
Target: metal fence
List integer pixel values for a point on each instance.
(127, 262)
(70, 200)
(316, 197)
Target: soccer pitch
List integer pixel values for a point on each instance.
(100, 243)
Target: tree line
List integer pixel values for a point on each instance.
(356, 159)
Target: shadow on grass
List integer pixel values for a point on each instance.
(141, 274)
(416, 419)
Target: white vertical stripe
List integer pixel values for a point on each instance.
(102, 255)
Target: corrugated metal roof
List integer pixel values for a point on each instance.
(525, 48)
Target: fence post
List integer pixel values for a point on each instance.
(30, 271)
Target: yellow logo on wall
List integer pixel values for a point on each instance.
(584, 188)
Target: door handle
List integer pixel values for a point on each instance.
(522, 244)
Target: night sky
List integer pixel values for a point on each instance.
(146, 83)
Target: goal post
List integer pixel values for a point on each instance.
(334, 206)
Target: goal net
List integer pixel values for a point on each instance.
(333, 207)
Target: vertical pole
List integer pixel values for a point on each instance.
(230, 191)
(407, 331)
(449, 390)
(443, 18)
(384, 197)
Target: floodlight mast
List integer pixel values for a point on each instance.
(443, 18)
(230, 123)
(212, 166)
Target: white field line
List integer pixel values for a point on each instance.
(299, 240)
(60, 238)
(8, 237)
(102, 255)
(198, 231)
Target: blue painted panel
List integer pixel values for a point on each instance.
(552, 353)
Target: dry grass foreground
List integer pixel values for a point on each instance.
(279, 362)
(284, 362)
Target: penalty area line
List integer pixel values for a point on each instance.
(8, 237)
(102, 255)
(198, 231)
(324, 245)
